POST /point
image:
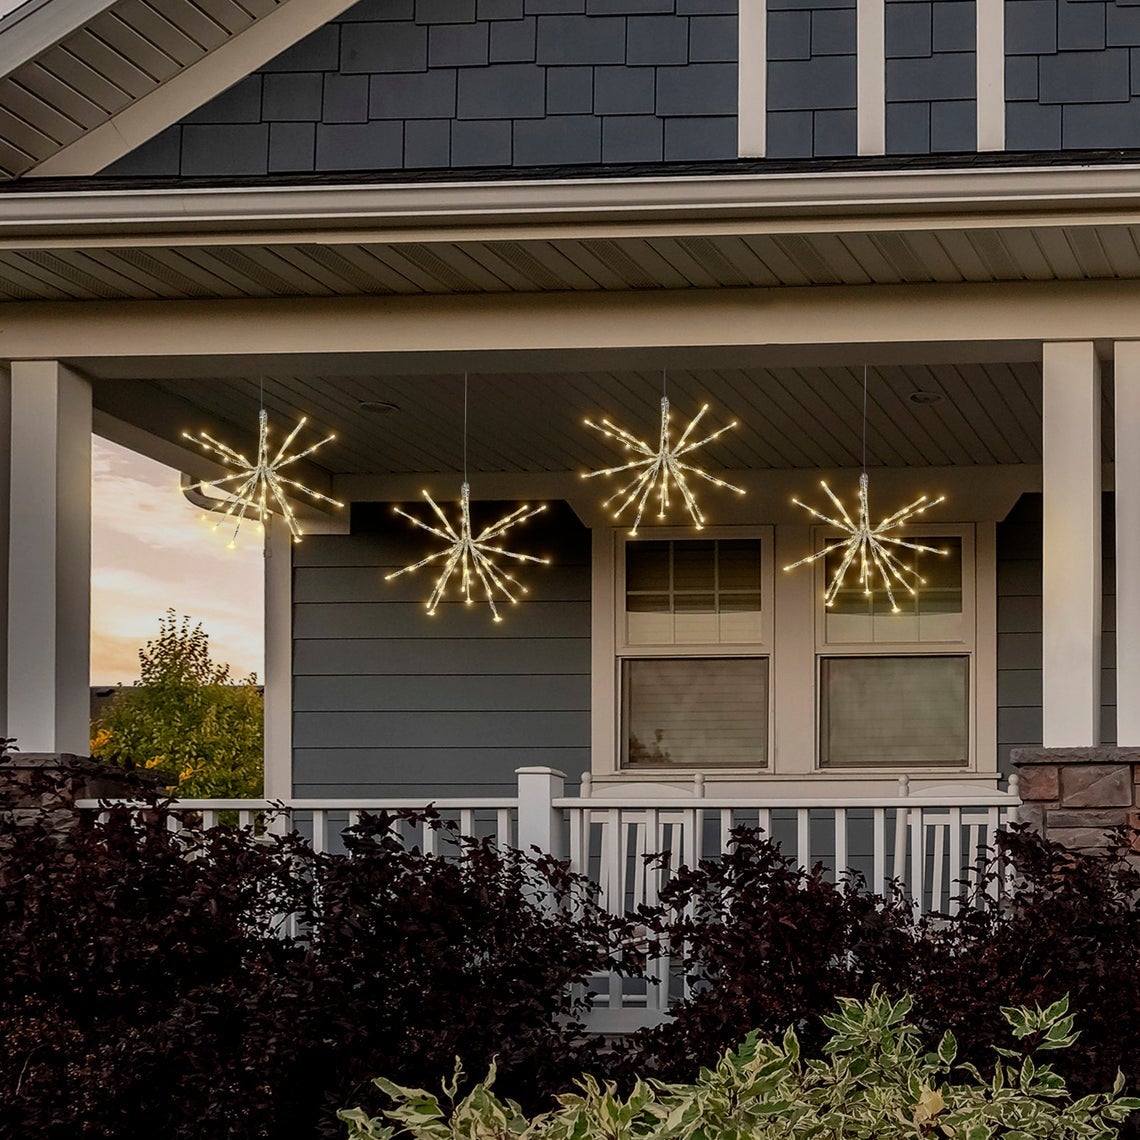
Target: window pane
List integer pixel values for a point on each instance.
(710, 587)
(695, 712)
(739, 564)
(933, 613)
(694, 565)
(887, 711)
(647, 566)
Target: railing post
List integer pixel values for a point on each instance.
(540, 822)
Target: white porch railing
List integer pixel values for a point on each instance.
(936, 849)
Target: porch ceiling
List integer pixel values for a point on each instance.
(801, 417)
(391, 267)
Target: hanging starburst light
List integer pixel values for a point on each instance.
(471, 556)
(872, 549)
(658, 467)
(256, 490)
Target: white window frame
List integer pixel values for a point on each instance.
(612, 649)
(967, 646)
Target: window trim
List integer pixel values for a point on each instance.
(967, 646)
(619, 650)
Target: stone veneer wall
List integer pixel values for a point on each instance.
(1076, 796)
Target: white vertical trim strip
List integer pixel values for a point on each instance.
(991, 74)
(752, 79)
(872, 76)
(278, 661)
(1127, 544)
(1071, 571)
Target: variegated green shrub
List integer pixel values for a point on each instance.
(874, 1081)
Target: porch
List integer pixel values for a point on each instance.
(1037, 393)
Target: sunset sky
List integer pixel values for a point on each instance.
(151, 550)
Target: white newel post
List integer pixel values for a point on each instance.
(278, 661)
(540, 822)
(1071, 600)
(1127, 381)
(49, 559)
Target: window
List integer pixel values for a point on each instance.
(692, 648)
(896, 687)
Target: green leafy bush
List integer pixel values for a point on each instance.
(874, 1080)
(187, 716)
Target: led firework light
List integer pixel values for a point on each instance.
(469, 555)
(658, 467)
(870, 547)
(258, 489)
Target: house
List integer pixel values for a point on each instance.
(402, 218)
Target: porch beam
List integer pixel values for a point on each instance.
(912, 318)
(1127, 481)
(49, 559)
(1071, 564)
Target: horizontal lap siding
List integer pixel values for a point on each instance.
(391, 702)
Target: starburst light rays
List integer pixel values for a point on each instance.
(658, 467)
(257, 490)
(870, 548)
(471, 556)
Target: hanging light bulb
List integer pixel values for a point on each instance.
(258, 489)
(658, 467)
(871, 549)
(471, 557)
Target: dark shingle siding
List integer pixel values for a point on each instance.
(931, 76)
(811, 78)
(417, 84)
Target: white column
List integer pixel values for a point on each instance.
(991, 74)
(49, 560)
(871, 76)
(1072, 552)
(1128, 544)
(278, 661)
(752, 79)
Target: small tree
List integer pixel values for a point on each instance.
(188, 716)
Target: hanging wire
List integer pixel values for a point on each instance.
(464, 427)
(864, 416)
(664, 392)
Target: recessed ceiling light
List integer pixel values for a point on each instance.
(921, 397)
(379, 407)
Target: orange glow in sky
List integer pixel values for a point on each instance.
(150, 551)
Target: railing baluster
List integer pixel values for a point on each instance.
(917, 858)
(938, 862)
(764, 821)
(467, 821)
(879, 869)
(841, 865)
(209, 819)
(725, 829)
(320, 830)
(956, 886)
(803, 837)
(503, 827)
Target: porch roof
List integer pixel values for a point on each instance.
(570, 244)
(712, 231)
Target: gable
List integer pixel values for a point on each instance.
(83, 82)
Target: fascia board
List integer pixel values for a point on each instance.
(827, 202)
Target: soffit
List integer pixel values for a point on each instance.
(807, 418)
(586, 235)
(591, 264)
